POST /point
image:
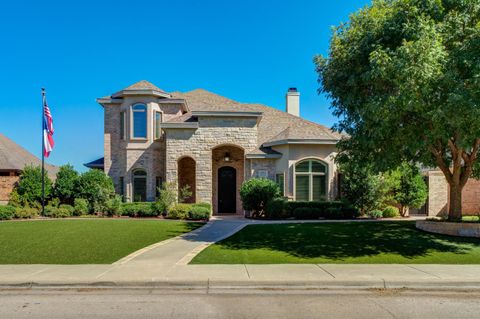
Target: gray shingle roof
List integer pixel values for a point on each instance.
(275, 125)
(143, 85)
(15, 157)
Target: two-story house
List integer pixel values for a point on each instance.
(213, 144)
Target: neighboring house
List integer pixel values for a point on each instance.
(213, 144)
(13, 158)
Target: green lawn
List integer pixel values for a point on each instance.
(352, 243)
(96, 241)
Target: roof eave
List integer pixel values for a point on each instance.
(263, 156)
(302, 142)
(181, 125)
(141, 92)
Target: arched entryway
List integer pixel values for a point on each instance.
(227, 177)
(227, 190)
(186, 177)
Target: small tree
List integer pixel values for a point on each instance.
(407, 187)
(257, 192)
(96, 187)
(184, 194)
(29, 187)
(362, 188)
(167, 197)
(65, 183)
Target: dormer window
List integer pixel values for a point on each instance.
(139, 115)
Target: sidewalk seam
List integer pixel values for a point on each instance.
(325, 270)
(424, 272)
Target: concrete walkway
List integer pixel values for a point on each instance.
(165, 264)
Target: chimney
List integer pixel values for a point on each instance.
(293, 101)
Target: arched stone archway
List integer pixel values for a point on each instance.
(228, 162)
(187, 176)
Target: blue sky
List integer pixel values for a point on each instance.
(250, 51)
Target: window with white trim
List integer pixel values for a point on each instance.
(310, 180)
(158, 122)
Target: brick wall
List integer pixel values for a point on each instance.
(471, 197)
(6, 186)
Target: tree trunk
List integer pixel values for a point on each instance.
(455, 206)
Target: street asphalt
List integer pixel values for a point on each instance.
(143, 303)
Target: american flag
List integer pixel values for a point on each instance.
(47, 130)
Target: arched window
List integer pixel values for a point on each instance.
(139, 185)
(139, 115)
(310, 180)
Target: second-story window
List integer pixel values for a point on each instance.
(139, 112)
(158, 122)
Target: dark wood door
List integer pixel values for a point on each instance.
(227, 190)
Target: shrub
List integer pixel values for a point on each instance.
(65, 182)
(26, 212)
(390, 212)
(80, 207)
(138, 209)
(69, 208)
(350, 212)
(204, 204)
(334, 213)
(376, 213)
(321, 205)
(7, 212)
(113, 207)
(275, 209)
(179, 211)
(96, 187)
(307, 213)
(257, 192)
(199, 212)
(55, 202)
(167, 196)
(14, 199)
(184, 194)
(57, 212)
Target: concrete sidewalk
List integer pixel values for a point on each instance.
(165, 264)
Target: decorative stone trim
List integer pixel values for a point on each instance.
(448, 228)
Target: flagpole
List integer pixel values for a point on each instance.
(43, 151)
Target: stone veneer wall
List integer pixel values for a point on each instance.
(6, 186)
(199, 143)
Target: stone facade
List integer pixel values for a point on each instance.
(199, 144)
(437, 202)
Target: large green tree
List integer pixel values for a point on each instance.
(29, 186)
(404, 79)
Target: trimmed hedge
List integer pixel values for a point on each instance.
(282, 209)
(57, 212)
(179, 211)
(138, 209)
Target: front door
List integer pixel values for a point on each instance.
(227, 190)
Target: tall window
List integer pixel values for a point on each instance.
(122, 125)
(139, 121)
(139, 186)
(310, 180)
(121, 187)
(158, 122)
(280, 179)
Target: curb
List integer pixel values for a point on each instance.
(214, 285)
